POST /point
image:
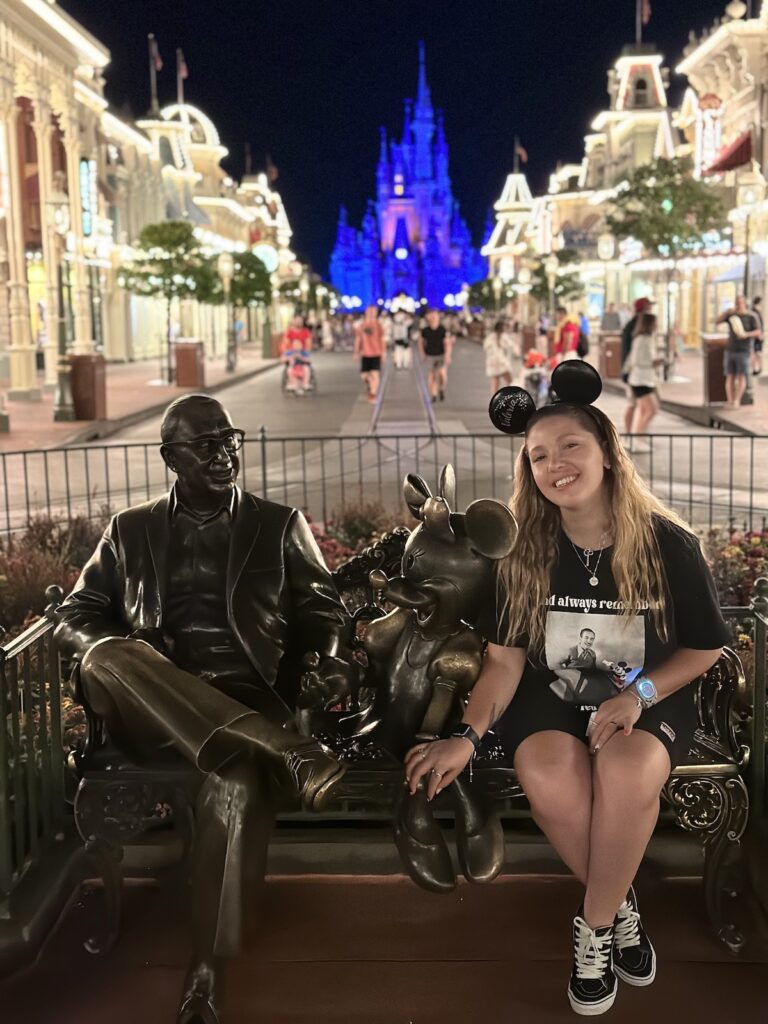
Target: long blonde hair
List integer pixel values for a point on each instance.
(524, 576)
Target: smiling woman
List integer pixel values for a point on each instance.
(593, 643)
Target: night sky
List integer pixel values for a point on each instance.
(310, 81)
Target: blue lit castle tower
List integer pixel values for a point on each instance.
(413, 239)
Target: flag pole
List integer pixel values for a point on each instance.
(179, 79)
(516, 161)
(154, 106)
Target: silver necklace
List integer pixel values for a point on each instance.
(588, 553)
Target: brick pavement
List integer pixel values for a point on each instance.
(131, 397)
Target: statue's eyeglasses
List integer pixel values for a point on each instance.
(206, 448)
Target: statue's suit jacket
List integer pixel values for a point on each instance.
(280, 595)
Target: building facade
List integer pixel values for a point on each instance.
(413, 239)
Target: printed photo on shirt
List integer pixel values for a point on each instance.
(593, 656)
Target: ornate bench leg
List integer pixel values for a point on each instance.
(718, 809)
(106, 859)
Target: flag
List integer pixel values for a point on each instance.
(154, 53)
(271, 170)
(646, 11)
(521, 152)
(183, 70)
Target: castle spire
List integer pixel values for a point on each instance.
(383, 149)
(423, 95)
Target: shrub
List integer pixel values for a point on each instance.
(356, 525)
(52, 550)
(737, 558)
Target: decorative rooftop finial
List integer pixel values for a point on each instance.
(423, 96)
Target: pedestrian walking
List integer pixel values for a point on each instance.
(502, 356)
(401, 344)
(567, 331)
(435, 345)
(611, 319)
(640, 369)
(742, 330)
(369, 348)
(642, 305)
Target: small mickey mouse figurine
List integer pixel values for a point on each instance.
(424, 659)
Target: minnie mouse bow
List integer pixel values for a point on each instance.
(573, 382)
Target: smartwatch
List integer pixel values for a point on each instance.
(465, 732)
(646, 692)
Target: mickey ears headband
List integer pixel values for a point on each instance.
(574, 382)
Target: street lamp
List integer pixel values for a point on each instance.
(551, 267)
(304, 293)
(497, 286)
(606, 249)
(58, 219)
(225, 266)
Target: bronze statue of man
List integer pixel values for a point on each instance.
(189, 623)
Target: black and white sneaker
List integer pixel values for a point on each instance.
(592, 988)
(634, 958)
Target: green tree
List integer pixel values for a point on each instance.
(169, 263)
(568, 284)
(251, 284)
(669, 211)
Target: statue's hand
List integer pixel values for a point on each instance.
(326, 681)
(155, 638)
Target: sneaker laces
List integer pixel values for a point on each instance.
(592, 952)
(627, 928)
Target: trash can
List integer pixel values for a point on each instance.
(713, 348)
(88, 380)
(609, 352)
(190, 363)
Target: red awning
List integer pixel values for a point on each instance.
(735, 154)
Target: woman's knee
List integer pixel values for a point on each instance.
(553, 769)
(630, 772)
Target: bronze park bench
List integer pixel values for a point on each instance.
(712, 795)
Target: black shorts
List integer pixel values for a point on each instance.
(369, 363)
(758, 344)
(640, 390)
(535, 708)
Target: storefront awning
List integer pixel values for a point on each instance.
(736, 272)
(735, 154)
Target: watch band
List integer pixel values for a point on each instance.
(466, 732)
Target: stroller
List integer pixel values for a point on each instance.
(536, 377)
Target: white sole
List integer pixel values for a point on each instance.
(591, 1009)
(628, 979)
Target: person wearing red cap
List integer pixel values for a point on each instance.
(642, 305)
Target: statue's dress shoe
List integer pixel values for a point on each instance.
(480, 845)
(421, 845)
(200, 1003)
(313, 773)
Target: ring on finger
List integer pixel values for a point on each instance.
(437, 773)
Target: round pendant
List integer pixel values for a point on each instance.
(593, 581)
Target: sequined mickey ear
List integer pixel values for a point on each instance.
(510, 409)
(576, 382)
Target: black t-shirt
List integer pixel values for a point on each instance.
(434, 340)
(591, 651)
(748, 323)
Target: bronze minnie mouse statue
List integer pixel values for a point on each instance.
(424, 658)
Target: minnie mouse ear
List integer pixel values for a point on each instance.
(510, 409)
(576, 382)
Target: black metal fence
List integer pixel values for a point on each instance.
(32, 762)
(709, 479)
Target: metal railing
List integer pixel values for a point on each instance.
(32, 761)
(709, 479)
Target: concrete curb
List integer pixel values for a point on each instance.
(100, 429)
(701, 415)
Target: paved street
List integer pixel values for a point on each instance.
(323, 450)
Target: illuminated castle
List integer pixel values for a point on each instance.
(413, 239)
